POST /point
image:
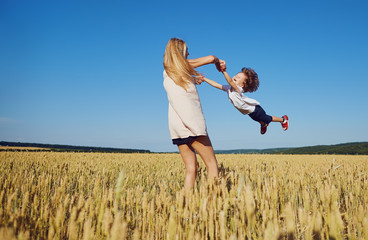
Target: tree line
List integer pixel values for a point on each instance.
(66, 148)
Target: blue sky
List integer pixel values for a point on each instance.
(89, 73)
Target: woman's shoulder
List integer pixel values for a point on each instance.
(165, 76)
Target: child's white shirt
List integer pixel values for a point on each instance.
(244, 104)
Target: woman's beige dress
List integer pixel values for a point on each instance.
(185, 112)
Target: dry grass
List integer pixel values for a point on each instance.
(22, 148)
(140, 196)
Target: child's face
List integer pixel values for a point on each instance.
(240, 79)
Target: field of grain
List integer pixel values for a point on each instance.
(22, 148)
(45, 195)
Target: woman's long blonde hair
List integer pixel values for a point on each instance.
(176, 65)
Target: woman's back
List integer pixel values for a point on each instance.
(185, 111)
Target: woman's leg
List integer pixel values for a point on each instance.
(191, 166)
(202, 145)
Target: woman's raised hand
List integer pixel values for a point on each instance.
(220, 65)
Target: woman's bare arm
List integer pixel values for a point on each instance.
(202, 61)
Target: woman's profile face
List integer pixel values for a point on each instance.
(186, 53)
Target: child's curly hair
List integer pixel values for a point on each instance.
(252, 82)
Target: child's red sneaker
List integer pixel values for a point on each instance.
(264, 128)
(285, 123)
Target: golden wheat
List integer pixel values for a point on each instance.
(140, 196)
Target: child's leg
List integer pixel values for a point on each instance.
(260, 116)
(263, 127)
(277, 119)
(284, 121)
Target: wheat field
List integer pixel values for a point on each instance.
(46, 195)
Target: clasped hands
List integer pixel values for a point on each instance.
(220, 66)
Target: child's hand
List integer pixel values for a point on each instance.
(220, 65)
(223, 66)
(198, 79)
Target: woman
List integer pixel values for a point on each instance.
(186, 121)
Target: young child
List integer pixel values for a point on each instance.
(247, 81)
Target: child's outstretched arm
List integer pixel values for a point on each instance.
(212, 83)
(230, 81)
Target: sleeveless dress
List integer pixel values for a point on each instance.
(186, 120)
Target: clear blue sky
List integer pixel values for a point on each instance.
(89, 73)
